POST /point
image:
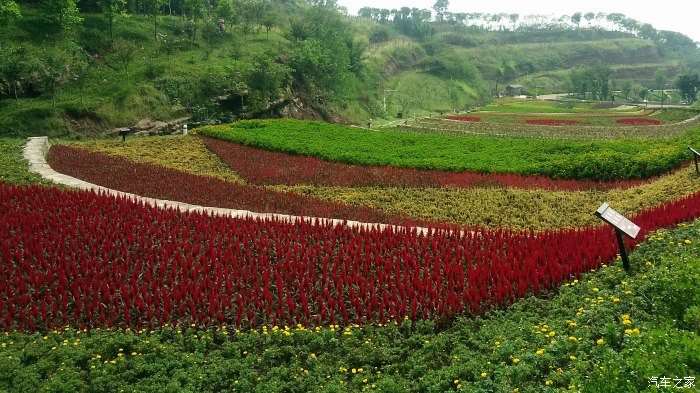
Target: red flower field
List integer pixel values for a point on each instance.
(85, 259)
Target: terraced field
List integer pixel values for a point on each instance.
(526, 295)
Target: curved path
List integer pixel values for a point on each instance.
(37, 148)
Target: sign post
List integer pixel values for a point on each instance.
(622, 226)
(696, 154)
(123, 132)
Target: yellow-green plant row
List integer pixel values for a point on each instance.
(509, 207)
(177, 152)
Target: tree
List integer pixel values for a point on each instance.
(644, 93)
(323, 54)
(576, 19)
(513, 20)
(269, 21)
(81, 69)
(506, 71)
(63, 14)
(53, 73)
(15, 69)
(626, 89)
(440, 8)
(600, 81)
(660, 81)
(647, 32)
(193, 11)
(112, 9)
(579, 79)
(9, 11)
(152, 8)
(124, 51)
(688, 85)
(267, 79)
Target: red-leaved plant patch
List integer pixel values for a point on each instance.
(639, 121)
(463, 118)
(87, 260)
(553, 122)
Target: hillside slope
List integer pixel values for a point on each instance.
(290, 59)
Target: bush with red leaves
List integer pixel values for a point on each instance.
(639, 121)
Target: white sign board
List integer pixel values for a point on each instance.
(609, 215)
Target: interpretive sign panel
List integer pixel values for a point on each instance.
(617, 220)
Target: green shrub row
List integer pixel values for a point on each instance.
(585, 160)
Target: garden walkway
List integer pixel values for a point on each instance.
(37, 148)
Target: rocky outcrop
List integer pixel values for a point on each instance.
(154, 127)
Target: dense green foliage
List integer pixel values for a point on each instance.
(13, 168)
(594, 160)
(607, 331)
(76, 68)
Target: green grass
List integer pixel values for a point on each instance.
(422, 94)
(575, 339)
(596, 160)
(13, 168)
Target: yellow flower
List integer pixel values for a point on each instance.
(313, 356)
(516, 390)
(539, 352)
(687, 241)
(600, 341)
(548, 382)
(572, 339)
(483, 374)
(635, 331)
(456, 381)
(628, 331)
(626, 322)
(516, 360)
(354, 371)
(572, 357)
(595, 289)
(551, 334)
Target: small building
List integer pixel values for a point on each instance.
(514, 90)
